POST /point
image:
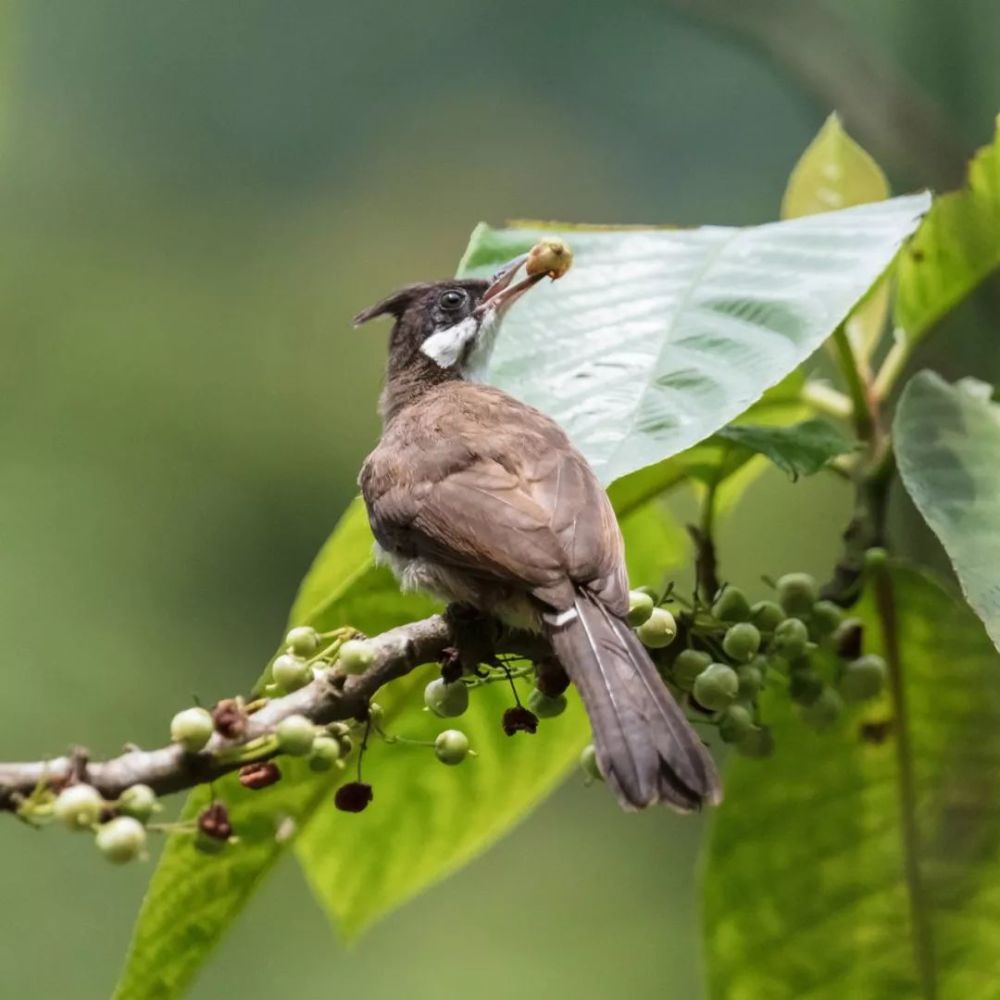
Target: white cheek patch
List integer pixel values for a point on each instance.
(446, 347)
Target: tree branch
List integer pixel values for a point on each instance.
(331, 697)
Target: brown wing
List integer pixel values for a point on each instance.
(497, 490)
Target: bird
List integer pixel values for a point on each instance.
(481, 500)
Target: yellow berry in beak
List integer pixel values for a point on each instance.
(551, 257)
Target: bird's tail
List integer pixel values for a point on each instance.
(646, 749)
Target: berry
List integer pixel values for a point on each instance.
(138, 801)
(863, 678)
(451, 746)
(295, 735)
(519, 720)
(875, 558)
(79, 806)
(589, 765)
(716, 686)
(324, 754)
(290, 672)
(551, 256)
(797, 593)
(688, 665)
(658, 630)
(192, 728)
(805, 686)
(302, 641)
(213, 822)
(640, 607)
(767, 615)
(230, 718)
(121, 839)
(741, 642)
(731, 605)
(847, 639)
(825, 618)
(751, 680)
(824, 710)
(735, 723)
(759, 742)
(447, 701)
(353, 797)
(790, 638)
(355, 656)
(546, 707)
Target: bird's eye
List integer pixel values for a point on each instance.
(453, 299)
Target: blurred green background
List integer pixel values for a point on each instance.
(195, 199)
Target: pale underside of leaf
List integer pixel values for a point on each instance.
(948, 451)
(657, 338)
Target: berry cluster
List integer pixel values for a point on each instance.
(717, 659)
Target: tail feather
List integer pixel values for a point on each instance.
(646, 749)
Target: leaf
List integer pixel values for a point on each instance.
(948, 452)
(428, 819)
(800, 450)
(807, 890)
(657, 338)
(192, 898)
(955, 248)
(835, 172)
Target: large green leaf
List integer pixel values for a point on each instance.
(948, 450)
(657, 338)
(427, 819)
(834, 173)
(193, 898)
(955, 248)
(853, 865)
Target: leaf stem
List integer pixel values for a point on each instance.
(892, 366)
(826, 399)
(923, 944)
(858, 390)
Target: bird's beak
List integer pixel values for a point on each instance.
(504, 291)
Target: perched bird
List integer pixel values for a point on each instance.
(480, 499)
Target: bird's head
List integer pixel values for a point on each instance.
(449, 327)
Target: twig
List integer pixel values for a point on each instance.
(329, 698)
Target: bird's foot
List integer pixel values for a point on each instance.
(475, 634)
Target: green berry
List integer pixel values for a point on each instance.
(325, 753)
(451, 746)
(735, 723)
(640, 607)
(805, 686)
(355, 656)
(863, 678)
(79, 806)
(688, 665)
(797, 593)
(545, 706)
(875, 558)
(751, 680)
(758, 742)
(121, 839)
(296, 735)
(658, 630)
(790, 638)
(447, 701)
(302, 641)
(290, 672)
(767, 615)
(824, 710)
(192, 728)
(138, 801)
(731, 605)
(825, 618)
(741, 642)
(589, 765)
(716, 686)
